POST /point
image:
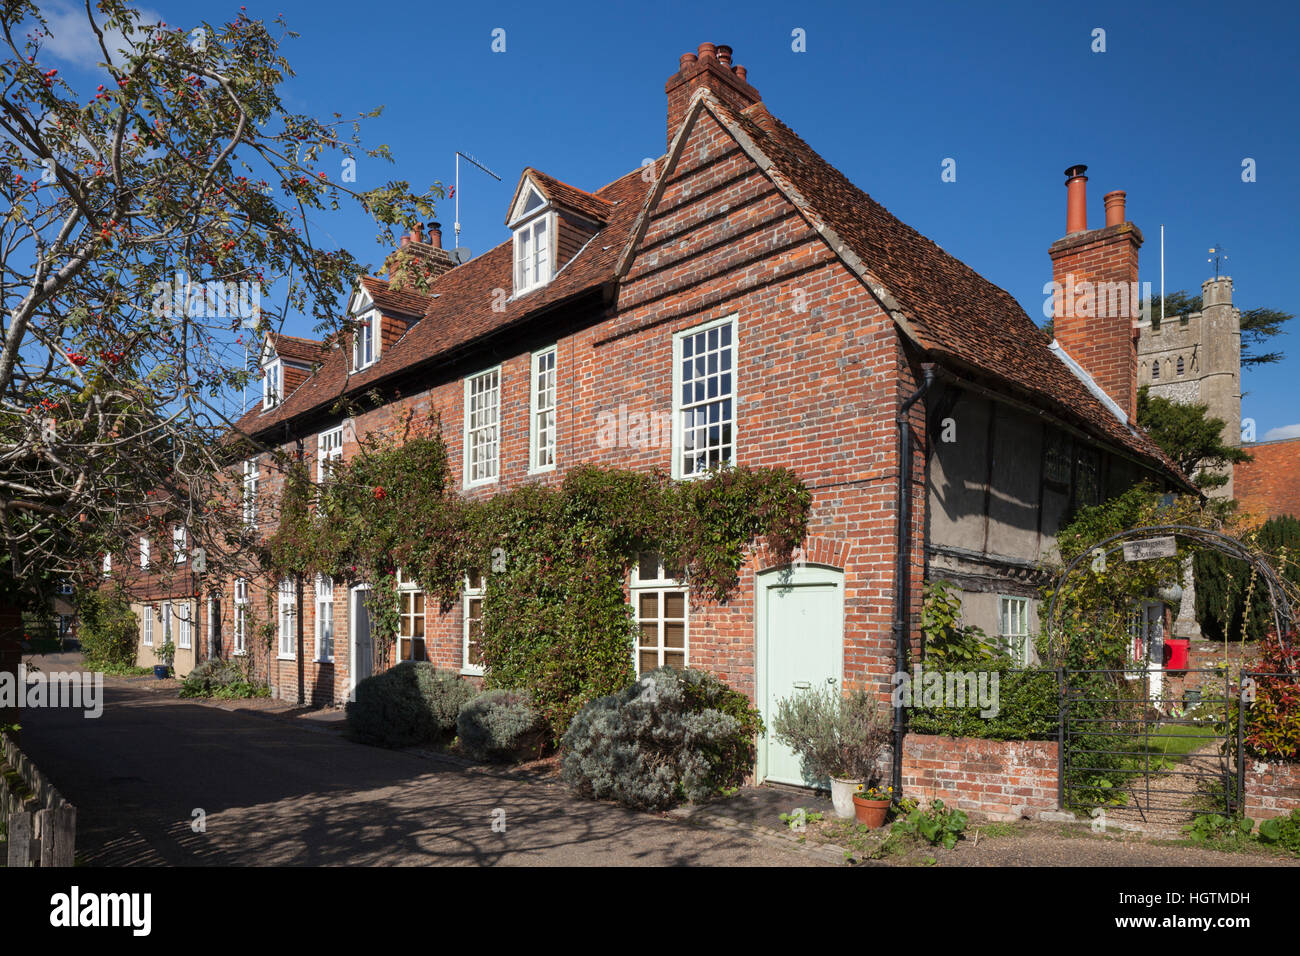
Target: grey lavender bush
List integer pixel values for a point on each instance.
(674, 735)
(408, 704)
(501, 725)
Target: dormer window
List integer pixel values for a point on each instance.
(533, 223)
(365, 342)
(272, 384)
(533, 254)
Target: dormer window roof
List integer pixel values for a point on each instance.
(281, 354)
(551, 221)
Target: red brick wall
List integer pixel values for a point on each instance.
(1272, 789)
(1104, 344)
(1000, 779)
(1270, 485)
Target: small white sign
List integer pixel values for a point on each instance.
(1150, 548)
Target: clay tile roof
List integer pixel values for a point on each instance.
(291, 348)
(591, 205)
(459, 310)
(389, 300)
(957, 312)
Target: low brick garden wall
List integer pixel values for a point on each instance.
(1272, 789)
(994, 779)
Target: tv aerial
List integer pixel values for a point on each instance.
(460, 253)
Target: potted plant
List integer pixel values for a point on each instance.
(836, 738)
(870, 804)
(166, 654)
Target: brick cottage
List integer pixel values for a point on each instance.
(737, 301)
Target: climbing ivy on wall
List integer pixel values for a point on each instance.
(555, 558)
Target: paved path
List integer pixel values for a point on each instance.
(281, 791)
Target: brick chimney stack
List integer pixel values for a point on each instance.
(425, 253)
(1097, 296)
(709, 67)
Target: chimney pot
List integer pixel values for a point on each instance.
(740, 72)
(686, 60)
(417, 233)
(724, 55)
(707, 50)
(435, 235)
(1115, 207)
(1076, 199)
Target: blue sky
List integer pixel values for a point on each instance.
(1183, 93)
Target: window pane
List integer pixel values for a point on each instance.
(674, 634)
(649, 605)
(648, 566)
(648, 661)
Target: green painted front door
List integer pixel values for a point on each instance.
(800, 643)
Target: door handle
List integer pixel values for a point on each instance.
(802, 685)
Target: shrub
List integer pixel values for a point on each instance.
(1282, 831)
(1273, 717)
(834, 736)
(220, 678)
(107, 629)
(673, 735)
(501, 725)
(1028, 709)
(408, 704)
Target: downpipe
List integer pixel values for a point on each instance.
(902, 580)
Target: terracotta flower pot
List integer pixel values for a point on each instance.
(870, 813)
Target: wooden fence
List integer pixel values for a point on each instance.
(42, 825)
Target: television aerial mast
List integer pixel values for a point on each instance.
(460, 253)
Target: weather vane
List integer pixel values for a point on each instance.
(1217, 254)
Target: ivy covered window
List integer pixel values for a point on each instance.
(324, 618)
(660, 607)
(287, 619)
(410, 625)
(241, 615)
(482, 427)
(473, 624)
(704, 400)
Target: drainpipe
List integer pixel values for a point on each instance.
(904, 539)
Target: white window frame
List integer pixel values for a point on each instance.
(542, 405)
(252, 475)
(272, 384)
(240, 647)
(144, 553)
(107, 565)
(146, 626)
(329, 449)
(407, 589)
(681, 408)
(1013, 627)
(366, 341)
(470, 594)
(166, 617)
(324, 616)
(184, 633)
(286, 620)
(533, 268)
(179, 543)
(471, 431)
(660, 586)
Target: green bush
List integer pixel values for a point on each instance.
(220, 678)
(834, 736)
(1282, 831)
(108, 629)
(411, 703)
(673, 735)
(501, 725)
(1028, 705)
(1273, 717)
